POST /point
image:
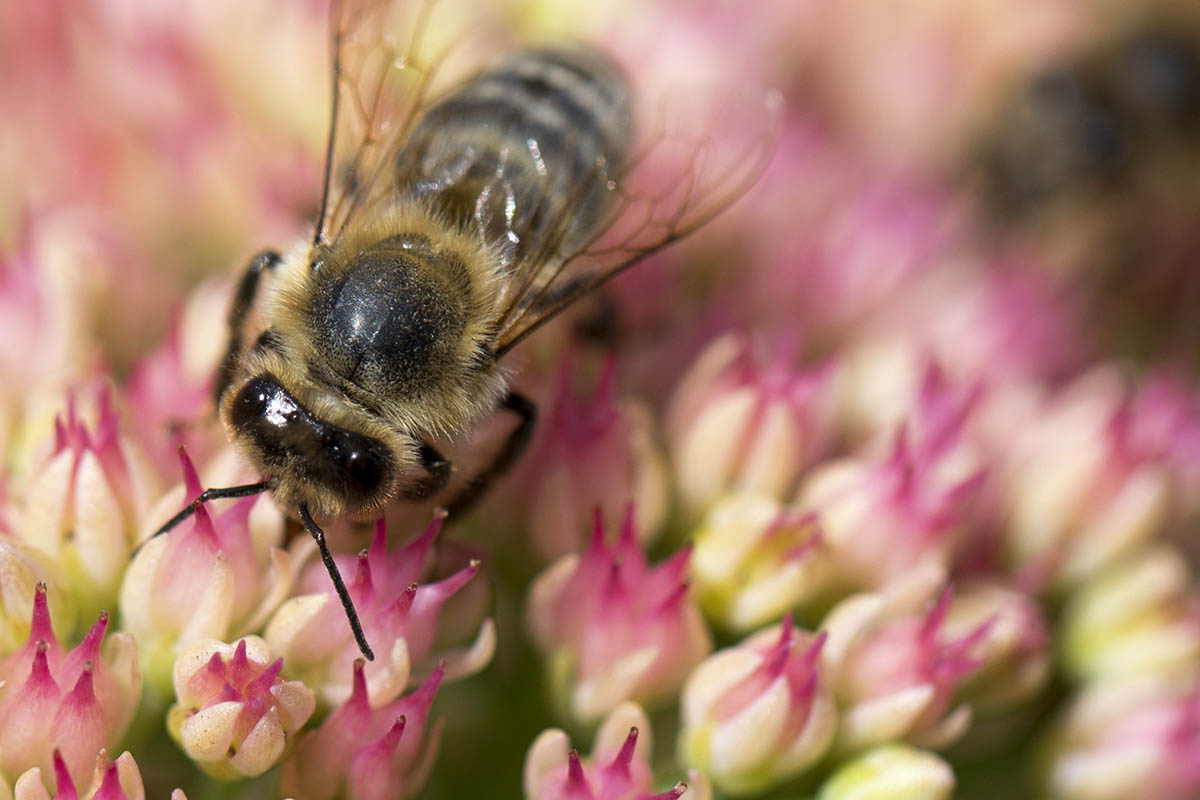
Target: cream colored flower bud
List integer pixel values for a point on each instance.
(754, 560)
(21, 569)
(891, 772)
(1138, 618)
(234, 715)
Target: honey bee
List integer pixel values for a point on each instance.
(453, 223)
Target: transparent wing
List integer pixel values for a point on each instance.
(701, 151)
(391, 59)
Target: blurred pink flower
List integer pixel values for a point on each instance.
(613, 628)
(760, 713)
(365, 750)
(75, 703)
(896, 670)
(400, 617)
(594, 451)
(85, 506)
(743, 420)
(1124, 740)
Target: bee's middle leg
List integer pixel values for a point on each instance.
(239, 309)
(518, 439)
(437, 468)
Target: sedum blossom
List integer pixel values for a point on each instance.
(111, 780)
(618, 769)
(896, 668)
(22, 569)
(1083, 488)
(233, 714)
(612, 627)
(1140, 617)
(368, 751)
(400, 617)
(75, 703)
(594, 452)
(740, 422)
(760, 713)
(754, 560)
(211, 577)
(1129, 739)
(84, 507)
(890, 772)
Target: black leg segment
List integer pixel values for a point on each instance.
(511, 450)
(239, 309)
(437, 468)
(339, 585)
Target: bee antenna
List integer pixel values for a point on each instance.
(339, 585)
(246, 490)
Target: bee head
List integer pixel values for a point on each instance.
(330, 469)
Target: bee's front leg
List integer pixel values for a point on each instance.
(239, 309)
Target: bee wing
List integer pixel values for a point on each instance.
(701, 153)
(391, 59)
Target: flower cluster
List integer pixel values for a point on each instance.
(903, 446)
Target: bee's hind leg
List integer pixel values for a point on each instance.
(508, 454)
(239, 309)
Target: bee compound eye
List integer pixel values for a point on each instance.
(361, 462)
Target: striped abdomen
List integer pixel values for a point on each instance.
(511, 148)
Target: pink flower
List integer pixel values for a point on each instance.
(1129, 739)
(111, 780)
(365, 750)
(758, 714)
(233, 713)
(76, 702)
(619, 768)
(739, 421)
(85, 505)
(896, 670)
(613, 628)
(400, 617)
(881, 518)
(212, 577)
(594, 452)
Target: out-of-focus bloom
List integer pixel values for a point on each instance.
(613, 628)
(22, 568)
(738, 422)
(895, 670)
(594, 452)
(618, 769)
(1140, 617)
(169, 392)
(76, 702)
(399, 617)
(890, 772)
(753, 560)
(111, 780)
(233, 713)
(881, 518)
(1081, 491)
(85, 505)
(1127, 740)
(361, 752)
(1011, 647)
(208, 578)
(759, 713)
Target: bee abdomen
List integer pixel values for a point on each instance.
(541, 129)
